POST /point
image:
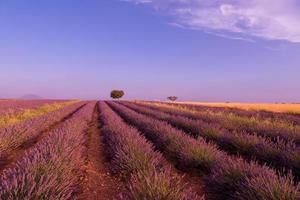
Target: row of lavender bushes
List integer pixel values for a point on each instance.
(231, 122)
(13, 136)
(228, 177)
(294, 119)
(52, 169)
(146, 172)
(279, 155)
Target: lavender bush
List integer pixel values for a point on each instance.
(13, 136)
(280, 154)
(291, 118)
(231, 122)
(205, 157)
(11, 107)
(266, 186)
(146, 172)
(50, 170)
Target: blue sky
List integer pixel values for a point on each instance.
(152, 49)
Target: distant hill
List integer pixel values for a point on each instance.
(31, 96)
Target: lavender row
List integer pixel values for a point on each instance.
(278, 155)
(230, 177)
(13, 136)
(52, 169)
(276, 116)
(239, 124)
(135, 160)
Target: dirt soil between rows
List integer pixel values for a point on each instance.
(98, 183)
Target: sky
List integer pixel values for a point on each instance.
(198, 50)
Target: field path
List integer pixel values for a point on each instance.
(98, 183)
(18, 153)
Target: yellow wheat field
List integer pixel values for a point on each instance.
(280, 107)
(7, 120)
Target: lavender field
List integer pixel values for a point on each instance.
(150, 100)
(140, 150)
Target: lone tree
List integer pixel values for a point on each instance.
(117, 94)
(172, 98)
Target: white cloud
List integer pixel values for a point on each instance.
(268, 19)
